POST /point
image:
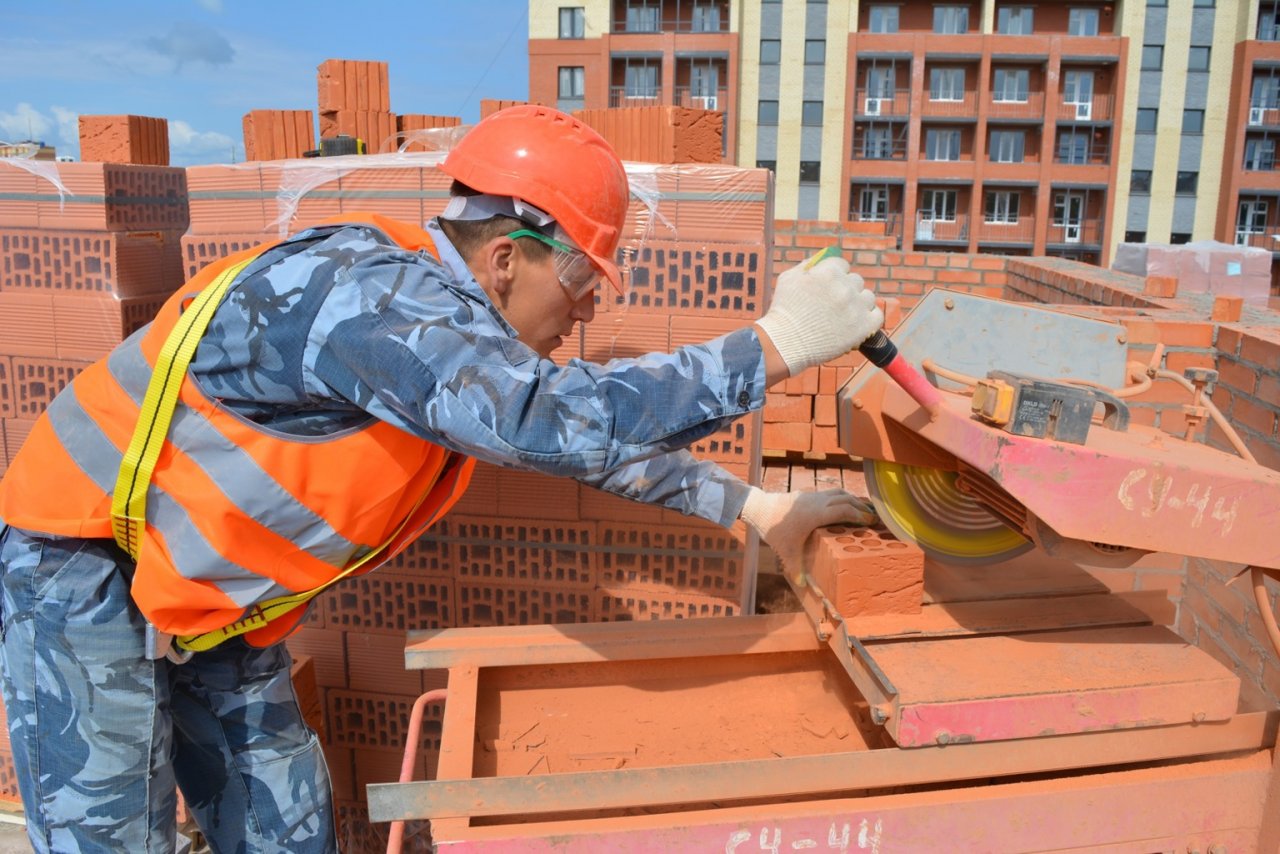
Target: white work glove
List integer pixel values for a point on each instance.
(819, 313)
(785, 520)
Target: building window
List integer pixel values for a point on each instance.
(768, 114)
(640, 81)
(951, 20)
(938, 205)
(877, 143)
(1082, 22)
(1158, 4)
(770, 51)
(1178, 238)
(1073, 146)
(572, 85)
(1001, 207)
(1152, 57)
(1186, 184)
(642, 16)
(1193, 121)
(883, 19)
(873, 204)
(706, 18)
(1146, 122)
(1203, 4)
(942, 144)
(1260, 154)
(1269, 22)
(815, 51)
(571, 22)
(1077, 90)
(1140, 181)
(1251, 218)
(1135, 237)
(811, 113)
(771, 165)
(1014, 21)
(1011, 85)
(946, 84)
(1007, 146)
(1198, 59)
(810, 171)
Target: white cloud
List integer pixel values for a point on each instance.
(68, 125)
(188, 146)
(25, 122)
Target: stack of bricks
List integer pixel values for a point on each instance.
(663, 134)
(88, 252)
(278, 134)
(355, 101)
(413, 131)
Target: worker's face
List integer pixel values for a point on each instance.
(541, 307)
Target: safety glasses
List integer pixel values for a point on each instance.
(573, 268)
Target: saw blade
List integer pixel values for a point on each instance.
(923, 506)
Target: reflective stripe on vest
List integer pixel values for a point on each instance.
(237, 515)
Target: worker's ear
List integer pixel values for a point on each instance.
(499, 259)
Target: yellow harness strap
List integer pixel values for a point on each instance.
(129, 501)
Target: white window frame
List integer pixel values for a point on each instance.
(1001, 207)
(946, 84)
(706, 17)
(873, 204)
(1016, 21)
(877, 143)
(1260, 154)
(939, 142)
(1008, 146)
(955, 19)
(1011, 85)
(1083, 21)
(938, 205)
(577, 22)
(888, 19)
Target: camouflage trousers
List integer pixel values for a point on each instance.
(103, 737)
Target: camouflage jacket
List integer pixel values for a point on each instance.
(338, 324)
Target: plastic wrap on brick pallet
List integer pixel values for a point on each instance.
(1206, 266)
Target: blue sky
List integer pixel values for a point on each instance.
(203, 64)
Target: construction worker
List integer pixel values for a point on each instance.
(307, 409)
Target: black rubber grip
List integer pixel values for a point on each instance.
(878, 349)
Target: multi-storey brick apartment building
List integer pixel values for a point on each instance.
(1059, 128)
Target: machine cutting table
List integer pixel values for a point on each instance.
(1069, 725)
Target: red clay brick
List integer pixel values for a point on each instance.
(7, 400)
(125, 264)
(1226, 309)
(790, 436)
(1160, 286)
(824, 410)
(866, 571)
(489, 604)
(140, 140)
(788, 407)
(326, 651)
(1228, 341)
(390, 603)
(649, 604)
(671, 278)
(1239, 377)
(1260, 418)
(1264, 352)
(546, 554)
(37, 381)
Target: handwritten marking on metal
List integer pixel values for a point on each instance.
(1160, 494)
(838, 839)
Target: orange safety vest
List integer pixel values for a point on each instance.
(237, 515)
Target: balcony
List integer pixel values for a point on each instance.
(1264, 117)
(687, 97)
(1083, 232)
(1083, 155)
(931, 230)
(1020, 231)
(680, 16)
(1031, 107)
(1098, 109)
(891, 222)
(964, 107)
(621, 96)
(1267, 238)
(891, 105)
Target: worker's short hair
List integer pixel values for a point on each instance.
(468, 236)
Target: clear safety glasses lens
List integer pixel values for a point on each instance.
(573, 268)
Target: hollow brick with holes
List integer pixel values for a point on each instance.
(866, 571)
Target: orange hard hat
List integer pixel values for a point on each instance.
(556, 163)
